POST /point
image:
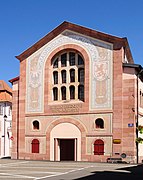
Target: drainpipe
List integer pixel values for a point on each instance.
(18, 122)
(137, 120)
(4, 121)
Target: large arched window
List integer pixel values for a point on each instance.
(68, 76)
(99, 123)
(35, 146)
(98, 147)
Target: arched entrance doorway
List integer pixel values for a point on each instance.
(65, 143)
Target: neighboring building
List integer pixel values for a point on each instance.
(78, 97)
(5, 119)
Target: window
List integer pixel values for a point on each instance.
(63, 60)
(55, 76)
(63, 91)
(70, 66)
(81, 92)
(63, 76)
(99, 123)
(9, 110)
(55, 93)
(35, 125)
(72, 92)
(72, 58)
(55, 64)
(98, 147)
(80, 60)
(81, 75)
(35, 146)
(72, 75)
(141, 99)
(1, 110)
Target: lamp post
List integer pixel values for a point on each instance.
(5, 118)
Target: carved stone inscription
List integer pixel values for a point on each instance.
(66, 108)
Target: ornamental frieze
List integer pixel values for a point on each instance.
(66, 108)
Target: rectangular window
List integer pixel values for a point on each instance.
(1, 110)
(63, 60)
(72, 58)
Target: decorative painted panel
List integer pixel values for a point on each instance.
(100, 55)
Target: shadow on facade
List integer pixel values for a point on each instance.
(132, 173)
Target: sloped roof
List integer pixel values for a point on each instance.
(14, 79)
(117, 41)
(5, 92)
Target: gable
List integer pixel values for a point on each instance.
(116, 41)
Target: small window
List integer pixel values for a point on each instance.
(99, 123)
(72, 58)
(55, 76)
(63, 91)
(98, 147)
(55, 64)
(64, 60)
(63, 76)
(9, 110)
(72, 75)
(1, 110)
(80, 60)
(55, 93)
(35, 125)
(72, 92)
(81, 92)
(35, 146)
(81, 75)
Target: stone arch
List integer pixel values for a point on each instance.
(66, 120)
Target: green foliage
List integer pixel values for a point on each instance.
(139, 140)
(140, 129)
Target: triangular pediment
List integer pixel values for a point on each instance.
(116, 41)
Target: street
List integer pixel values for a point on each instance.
(36, 170)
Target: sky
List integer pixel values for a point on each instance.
(24, 22)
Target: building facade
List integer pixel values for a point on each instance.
(77, 98)
(5, 119)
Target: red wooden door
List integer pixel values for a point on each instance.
(99, 147)
(35, 146)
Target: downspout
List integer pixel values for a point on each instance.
(137, 119)
(18, 122)
(4, 126)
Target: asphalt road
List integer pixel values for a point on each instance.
(42, 170)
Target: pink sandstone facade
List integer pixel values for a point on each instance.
(78, 97)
